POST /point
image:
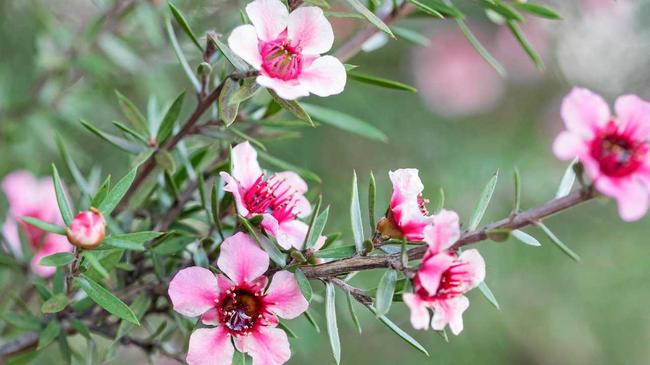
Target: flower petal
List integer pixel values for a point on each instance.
(241, 259)
(284, 297)
(292, 234)
(269, 18)
(444, 232)
(584, 111)
(245, 168)
(449, 311)
(288, 90)
(193, 291)
(11, 235)
(267, 346)
(405, 203)
(310, 30)
(232, 186)
(210, 346)
(244, 42)
(475, 268)
(632, 196)
(324, 77)
(420, 317)
(52, 243)
(569, 145)
(432, 268)
(634, 113)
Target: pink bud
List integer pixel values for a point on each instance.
(87, 229)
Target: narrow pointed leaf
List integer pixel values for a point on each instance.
(483, 202)
(479, 47)
(234, 60)
(400, 332)
(132, 113)
(525, 238)
(372, 196)
(107, 300)
(305, 286)
(317, 228)
(181, 56)
(57, 259)
(227, 110)
(345, 122)
(426, 9)
(355, 215)
(487, 293)
(377, 81)
(353, 313)
(116, 194)
(370, 16)
(52, 228)
(292, 107)
(537, 9)
(517, 199)
(116, 141)
(561, 245)
(184, 24)
(55, 304)
(170, 118)
(568, 179)
(102, 192)
(385, 291)
(525, 44)
(64, 208)
(48, 335)
(332, 326)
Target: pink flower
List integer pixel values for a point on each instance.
(407, 216)
(285, 48)
(30, 197)
(88, 229)
(443, 278)
(238, 305)
(613, 149)
(279, 198)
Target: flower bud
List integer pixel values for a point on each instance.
(87, 229)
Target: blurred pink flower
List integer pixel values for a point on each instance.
(238, 305)
(30, 197)
(88, 229)
(407, 216)
(279, 199)
(443, 278)
(453, 78)
(285, 48)
(517, 63)
(613, 149)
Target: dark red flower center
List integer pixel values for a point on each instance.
(240, 310)
(281, 60)
(273, 196)
(617, 152)
(453, 282)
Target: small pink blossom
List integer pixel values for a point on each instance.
(286, 49)
(30, 197)
(613, 149)
(238, 305)
(87, 230)
(279, 198)
(407, 215)
(443, 278)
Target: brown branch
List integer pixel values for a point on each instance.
(519, 220)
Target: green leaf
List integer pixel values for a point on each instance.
(170, 118)
(537, 9)
(525, 238)
(332, 326)
(61, 199)
(523, 41)
(183, 23)
(503, 9)
(101, 193)
(116, 194)
(517, 200)
(372, 196)
(568, 179)
(483, 202)
(234, 60)
(132, 113)
(57, 259)
(487, 293)
(355, 215)
(426, 9)
(48, 335)
(139, 306)
(479, 47)
(181, 56)
(385, 291)
(370, 16)
(118, 142)
(107, 300)
(292, 107)
(52, 228)
(304, 285)
(345, 122)
(80, 327)
(311, 320)
(284, 165)
(55, 304)
(246, 90)
(561, 245)
(316, 230)
(373, 80)
(131, 132)
(72, 166)
(336, 252)
(227, 110)
(125, 244)
(165, 160)
(398, 331)
(216, 214)
(353, 313)
(138, 237)
(412, 36)
(274, 253)
(94, 262)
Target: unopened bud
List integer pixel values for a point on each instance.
(204, 69)
(499, 235)
(87, 230)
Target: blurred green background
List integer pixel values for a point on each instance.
(553, 310)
